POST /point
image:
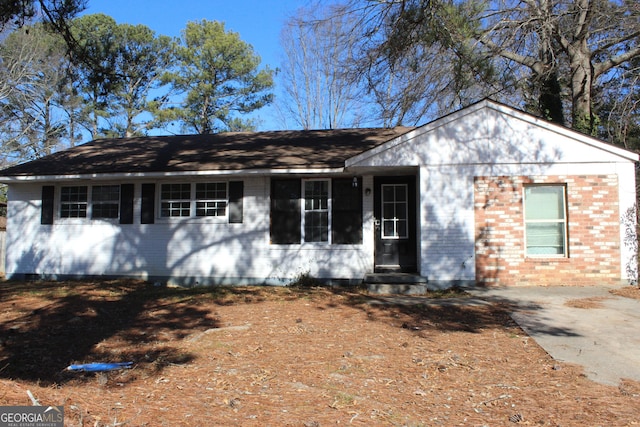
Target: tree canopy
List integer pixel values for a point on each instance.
(557, 52)
(220, 77)
(136, 82)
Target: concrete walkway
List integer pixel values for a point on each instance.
(605, 340)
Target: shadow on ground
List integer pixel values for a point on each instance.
(51, 325)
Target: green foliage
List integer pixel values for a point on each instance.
(220, 77)
(585, 123)
(129, 63)
(119, 80)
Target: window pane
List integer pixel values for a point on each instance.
(389, 211)
(211, 190)
(545, 238)
(213, 208)
(401, 210)
(388, 229)
(105, 201)
(316, 195)
(544, 202)
(388, 193)
(316, 226)
(174, 209)
(176, 191)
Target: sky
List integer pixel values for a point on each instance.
(258, 22)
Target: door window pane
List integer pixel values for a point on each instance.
(394, 211)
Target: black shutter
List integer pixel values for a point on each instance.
(46, 215)
(285, 211)
(148, 202)
(236, 193)
(346, 212)
(126, 204)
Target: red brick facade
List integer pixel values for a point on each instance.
(593, 232)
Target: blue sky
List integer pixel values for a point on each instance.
(258, 22)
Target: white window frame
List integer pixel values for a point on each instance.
(88, 203)
(214, 204)
(193, 202)
(564, 221)
(175, 204)
(304, 211)
(116, 201)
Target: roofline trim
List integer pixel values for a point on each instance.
(147, 175)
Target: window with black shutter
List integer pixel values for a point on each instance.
(126, 204)
(334, 210)
(236, 194)
(147, 204)
(46, 216)
(346, 224)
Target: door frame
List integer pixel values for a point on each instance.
(407, 258)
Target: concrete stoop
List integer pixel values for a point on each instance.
(396, 284)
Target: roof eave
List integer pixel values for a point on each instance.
(160, 175)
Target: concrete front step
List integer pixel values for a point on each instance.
(396, 284)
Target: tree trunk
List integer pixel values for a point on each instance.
(581, 86)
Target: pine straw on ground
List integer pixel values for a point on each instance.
(257, 356)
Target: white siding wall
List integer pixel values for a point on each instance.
(188, 251)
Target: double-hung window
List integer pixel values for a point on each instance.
(105, 201)
(545, 220)
(175, 200)
(74, 201)
(316, 211)
(97, 201)
(203, 199)
(211, 199)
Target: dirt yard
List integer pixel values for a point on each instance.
(287, 357)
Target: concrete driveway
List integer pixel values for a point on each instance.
(605, 340)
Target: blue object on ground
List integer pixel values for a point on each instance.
(99, 367)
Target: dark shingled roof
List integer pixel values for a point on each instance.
(217, 152)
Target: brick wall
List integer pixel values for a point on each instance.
(593, 233)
